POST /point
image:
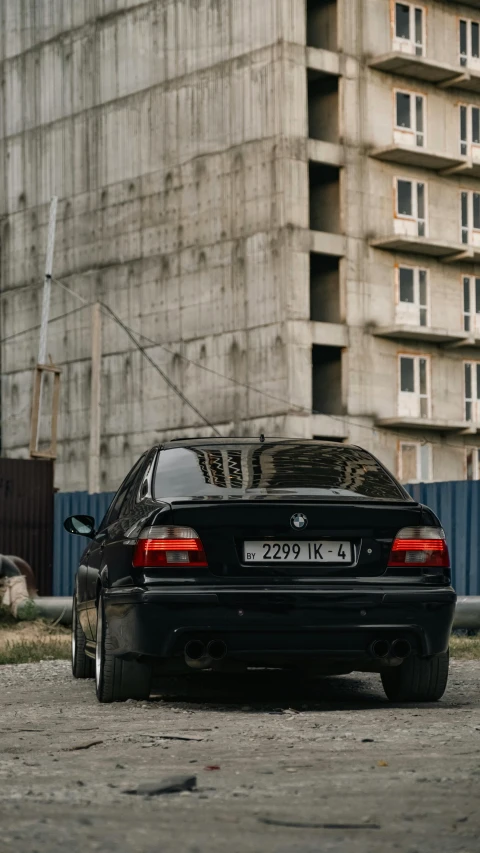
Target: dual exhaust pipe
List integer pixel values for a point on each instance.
(383, 650)
(201, 656)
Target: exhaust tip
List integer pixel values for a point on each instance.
(217, 649)
(194, 650)
(401, 649)
(380, 648)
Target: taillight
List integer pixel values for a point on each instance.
(420, 546)
(174, 547)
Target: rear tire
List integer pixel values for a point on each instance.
(117, 680)
(417, 679)
(82, 665)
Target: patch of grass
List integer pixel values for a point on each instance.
(28, 612)
(33, 652)
(465, 648)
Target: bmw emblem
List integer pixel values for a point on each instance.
(299, 521)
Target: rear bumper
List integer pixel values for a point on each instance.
(262, 626)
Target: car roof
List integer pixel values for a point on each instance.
(222, 442)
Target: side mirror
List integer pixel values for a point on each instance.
(82, 525)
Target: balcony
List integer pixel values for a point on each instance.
(325, 298)
(468, 167)
(325, 152)
(469, 340)
(412, 155)
(438, 424)
(325, 243)
(440, 74)
(329, 334)
(322, 63)
(328, 425)
(449, 252)
(325, 210)
(429, 334)
(327, 382)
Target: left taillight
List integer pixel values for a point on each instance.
(420, 546)
(173, 547)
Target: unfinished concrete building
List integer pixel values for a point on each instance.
(281, 196)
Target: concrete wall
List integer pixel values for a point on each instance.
(169, 132)
(371, 296)
(175, 133)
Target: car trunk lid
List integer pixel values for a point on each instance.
(365, 529)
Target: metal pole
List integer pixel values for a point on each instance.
(95, 396)
(47, 285)
(47, 282)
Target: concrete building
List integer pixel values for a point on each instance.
(283, 196)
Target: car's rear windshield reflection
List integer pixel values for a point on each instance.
(260, 470)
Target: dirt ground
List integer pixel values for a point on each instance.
(299, 770)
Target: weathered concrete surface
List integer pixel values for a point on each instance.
(175, 133)
(295, 767)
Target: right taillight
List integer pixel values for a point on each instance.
(420, 546)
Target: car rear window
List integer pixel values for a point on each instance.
(289, 469)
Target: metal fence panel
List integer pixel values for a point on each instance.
(457, 506)
(67, 549)
(26, 515)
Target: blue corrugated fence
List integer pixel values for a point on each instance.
(67, 549)
(457, 505)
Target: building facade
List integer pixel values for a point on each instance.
(280, 200)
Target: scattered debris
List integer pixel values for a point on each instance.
(296, 824)
(176, 737)
(382, 763)
(171, 785)
(82, 745)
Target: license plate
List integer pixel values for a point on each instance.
(314, 551)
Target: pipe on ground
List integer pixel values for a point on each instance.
(467, 612)
(55, 608)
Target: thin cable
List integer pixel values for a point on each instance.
(159, 370)
(131, 334)
(37, 327)
(72, 292)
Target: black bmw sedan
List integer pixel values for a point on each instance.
(288, 554)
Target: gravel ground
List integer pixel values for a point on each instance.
(280, 768)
